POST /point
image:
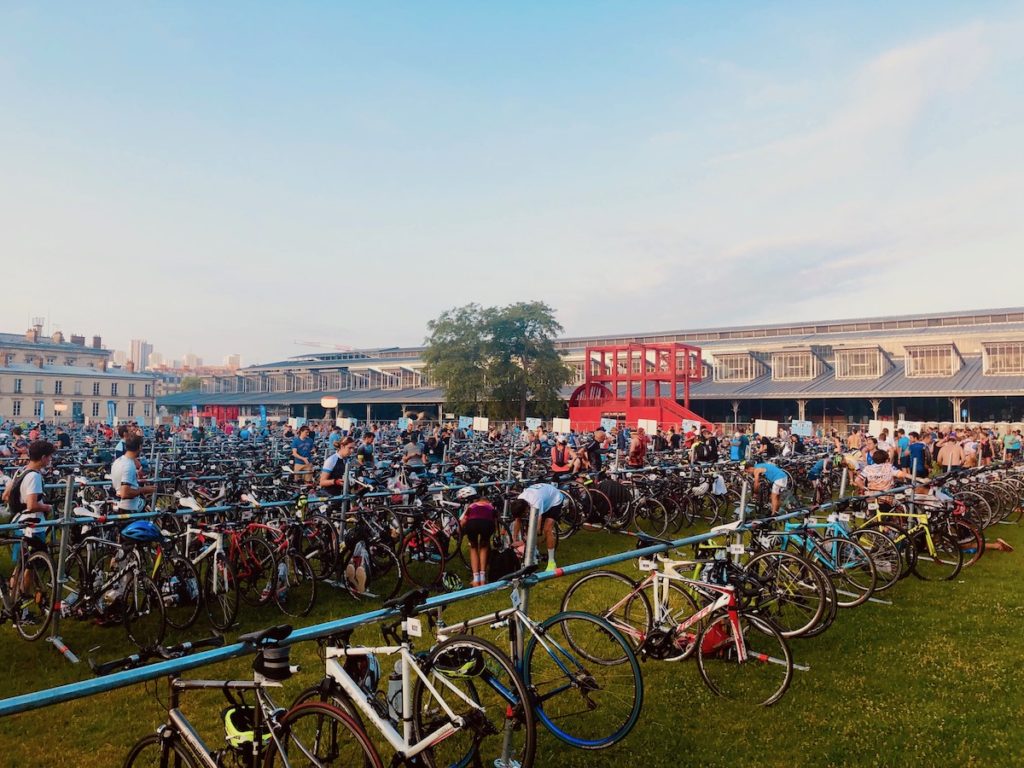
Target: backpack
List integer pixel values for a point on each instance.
(14, 502)
(501, 563)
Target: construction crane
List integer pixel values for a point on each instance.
(321, 345)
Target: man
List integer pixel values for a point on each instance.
(364, 453)
(1011, 445)
(547, 500)
(772, 474)
(20, 443)
(593, 450)
(637, 449)
(563, 458)
(332, 474)
(24, 494)
(122, 432)
(302, 452)
(855, 439)
(951, 454)
(413, 458)
(902, 449)
(124, 477)
(63, 438)
(918, 456)
(674, 439)
(766, 447)
(706, 449)
(880, 475)
(244, 433)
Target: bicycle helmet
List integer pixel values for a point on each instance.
(142, 532)
(238, 727)
(467, 492)
(365, 670)
(460, 662)
(451, 582)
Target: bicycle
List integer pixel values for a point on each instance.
(27, 594)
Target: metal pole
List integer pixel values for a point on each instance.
(529, 558)
(58, 603)
(156, 474)
(842, 483)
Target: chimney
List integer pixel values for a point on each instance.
(57, 338)
(131, 366)
(79, 340)
(32, 335)
(97, 342)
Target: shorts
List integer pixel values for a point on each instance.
(780, 485)
(478, 532)
(555, 513)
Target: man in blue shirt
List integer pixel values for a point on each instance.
(302, 450)
(917, 455)
(902, 446)
(772, 474)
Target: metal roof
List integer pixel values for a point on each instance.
(74, 370)
(396, 396)
(45, 342)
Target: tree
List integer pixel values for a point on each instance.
(496, 360)
(191, 384)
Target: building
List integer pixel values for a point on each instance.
(945, 366)
(234, 362)
(192, 361)
(140, 354)
(53, 378)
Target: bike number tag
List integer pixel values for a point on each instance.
(736, 549)
(844, 517)
(860, 514)
(438, 497)
(646, 565)
(833, 517)
(516, 598)
(414, 627)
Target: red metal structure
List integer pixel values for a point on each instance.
(628, 382)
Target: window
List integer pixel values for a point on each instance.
(17, 408)
(39, 386)
(39, 410)
(9, 360)
(794, 366)
(131, 390)
(17, 386)
(932, 360)
(737, 368)
(1003, 358)
(131, 409)
(148, 390)
(859, 363)
(51, 360)
(78, 387)
(58, 387)
(113, 389)
(69, 361)
(95, 409)
(146, 408)
(96, 388)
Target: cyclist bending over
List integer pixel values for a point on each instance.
(548, 501)
(772, 474)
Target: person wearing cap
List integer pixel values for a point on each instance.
(563, 458)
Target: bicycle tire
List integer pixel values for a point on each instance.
(297, 595)
(158, 751)
(555, 701)
(255, 565)
(650, 516)
(946, 563)
(630, 611)
(884, 554)
(513, 717)
(852, 566)
(325, 735)
(145, 621)
(220, 591)
(33, 613)
(180, 589)
(422, 558)
(723, 673)
(797, 599)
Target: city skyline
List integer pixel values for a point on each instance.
(679, 166)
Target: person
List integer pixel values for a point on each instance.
(880, 475)
(20, 443)
(674, 439)
(870, 445)
(772, 474)
(706, 449)
(593, 450)
(918, 455)
(364, 453)
(1011, 445)
(436, 446)
(637, 449)
(24, 494)
(63, 438)
(302, 451)
(122, 432)
(413, 458)
(547, 500)
(902, 449)
(333, 438)
(478, 523)
(332, 474)
(985, 449)
(563, 459)
(244, 433)
(766, 447)
(855, 439)
(124, 477)
(950, 454)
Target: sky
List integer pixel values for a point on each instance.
(239, 177)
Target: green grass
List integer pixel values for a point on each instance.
(935, 679)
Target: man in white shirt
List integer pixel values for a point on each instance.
(547, 499)
(124, 477)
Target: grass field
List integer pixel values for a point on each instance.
(936, 679)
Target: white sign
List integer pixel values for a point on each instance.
(608, 424)
(690, 425)
(910, 426)
(560, 426)
(802, 428)
(875, 427)
(533, 423)
(480, 423)
(650, 426)
(345, 423)
(766, 427)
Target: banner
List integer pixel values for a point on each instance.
(40, 409)
(177, 421)
(608, 425)
(533, 423)
(690, 425)
(802, 428)
(766, 428)
(480, 423)
(561, 426)
(875, 427)
(112, 412)
(910, 426)
(465, 422)
(345, 423)
(650, 426)
(403, 423)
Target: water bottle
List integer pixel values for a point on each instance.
(171, 587)
(68, 604)
(395, 693)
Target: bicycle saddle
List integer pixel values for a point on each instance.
(269, 635)
(408, 602)
(725, 527)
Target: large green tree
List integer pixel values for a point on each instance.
(496, 360)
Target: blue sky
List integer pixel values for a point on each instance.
(241, 177)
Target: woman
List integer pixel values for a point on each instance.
(302, 450)
(478, 526)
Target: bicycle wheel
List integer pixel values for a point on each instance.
(255, 570)
(883, 553)
(180, 590)
(762, 677)
(35, 586)
(941, 561)
(316, 545)
(794, 596)
(157, 751)
(650, 516)
(386, 577)
(587, 704)
(144, 618)
(615, 598)
(295, 592)
(220, 591)
(478, 683)
(853, 570)
(318, 734)
(970, 538)
(828, 616)
(422, 559)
